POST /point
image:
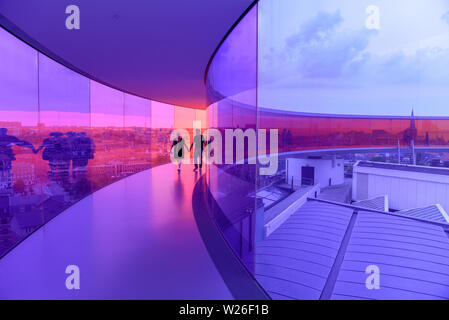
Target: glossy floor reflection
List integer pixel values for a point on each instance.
(135, 239)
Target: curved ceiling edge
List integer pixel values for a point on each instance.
(15, 31)
(234, 25)
(153, 49)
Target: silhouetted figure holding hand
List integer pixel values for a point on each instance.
(198, 146)
(177, 150)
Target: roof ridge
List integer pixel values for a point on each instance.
(328, 288)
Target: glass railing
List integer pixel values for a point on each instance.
(64, 136)
(342, 93)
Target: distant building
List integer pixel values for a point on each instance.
(14, 128)
(407, 186)
(315, 170)
(24, 171)
(118, 169)
(411, 132)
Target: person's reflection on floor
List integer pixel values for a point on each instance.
(177, 150)
(58, 153)
(179, 190)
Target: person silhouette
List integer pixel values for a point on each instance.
(198, 146)
(177, 150)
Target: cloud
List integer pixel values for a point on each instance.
(317, 29)
(445, 17)
(327, 64)
(320, 49)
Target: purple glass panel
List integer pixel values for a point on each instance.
(63, 136)
(231, 83)
(18, 81)
(162, 123)
(137, 131)
(137, 112)
(107, 106)
(342, 82)
(63, 95)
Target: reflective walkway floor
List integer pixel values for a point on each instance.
(134, 239)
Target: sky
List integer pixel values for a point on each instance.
(319, 56)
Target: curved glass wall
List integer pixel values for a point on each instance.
(355, 95)
(64, 136)
(231, 83)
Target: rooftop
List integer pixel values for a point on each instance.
(322, 252)
(404, 167)
(378, 203)
(434, 213)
